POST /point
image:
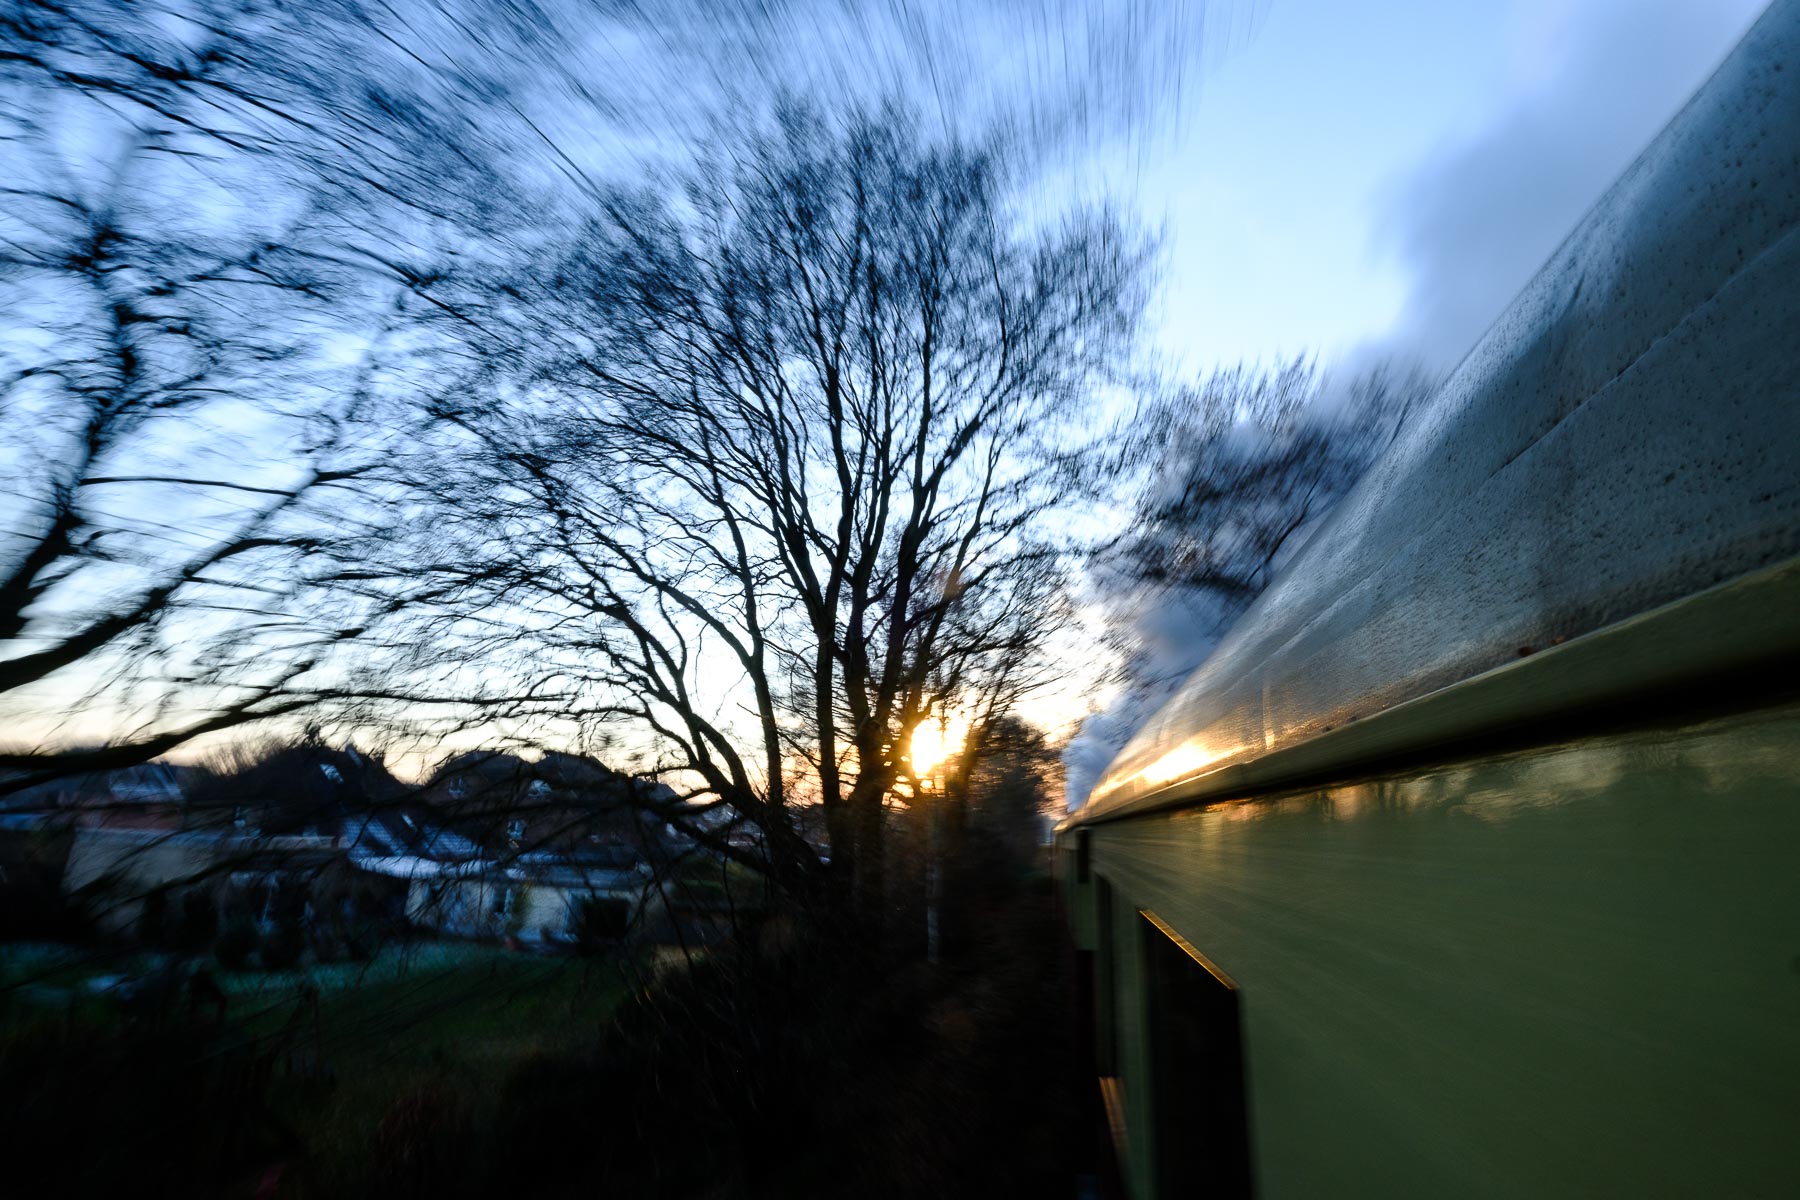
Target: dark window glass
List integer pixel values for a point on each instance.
(1196, 1069)
(1106, 1001)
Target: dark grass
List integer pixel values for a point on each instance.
(796, 1063)
(296, 1090)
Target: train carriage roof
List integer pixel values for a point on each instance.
(1625, 436)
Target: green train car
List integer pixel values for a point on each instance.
(1469, 864)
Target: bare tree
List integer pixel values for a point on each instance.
(223, 221)
(209, 333)
(776, 477)
(1241, 465)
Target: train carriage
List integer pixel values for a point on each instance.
(1469, 864)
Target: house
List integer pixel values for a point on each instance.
(150, 796)
(545, 852)
(566, 803)
(126, 876)
(170, 854)
(315, 843)
(536, 897)
(306, 788)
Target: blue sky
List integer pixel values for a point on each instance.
(1348, 178)
(1355, 178)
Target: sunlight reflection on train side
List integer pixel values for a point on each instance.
(1184, 761)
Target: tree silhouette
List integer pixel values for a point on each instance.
(773, 481)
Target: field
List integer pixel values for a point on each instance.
(336, 1080)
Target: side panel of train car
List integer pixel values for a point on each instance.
(1572, 970)
(1469, 864)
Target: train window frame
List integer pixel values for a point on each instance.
(1083, 856)
(1197, 1082)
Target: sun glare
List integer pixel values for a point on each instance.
(935, 742)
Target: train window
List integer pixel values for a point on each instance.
(1081, 856)
(1105, 965)
(1202, 1137)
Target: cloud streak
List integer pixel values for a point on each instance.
(1475, 220)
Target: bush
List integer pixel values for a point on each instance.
(153, 919)
(600, 921)
(362, 938)
(425, 1145)
(196, 921)
(33, 906)
(170, 1108)
(39, 914)
(235, 943)
(283, 947)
